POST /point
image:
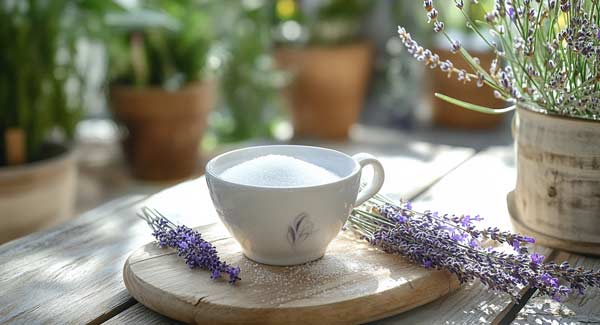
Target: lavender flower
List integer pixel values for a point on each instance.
(552, 47)
(428, 5)
(189, 244)
(511, 12)
(430, 59)
(432, 15)
(455, 244)
(455, 46)
(537, 259)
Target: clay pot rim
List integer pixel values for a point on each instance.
(150, 94)
(191, 86)
(67, 154)
(535, 109)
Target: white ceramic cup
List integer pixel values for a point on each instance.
(290, 225)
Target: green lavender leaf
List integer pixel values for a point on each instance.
(474, 107)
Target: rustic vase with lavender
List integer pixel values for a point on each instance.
(547, 65)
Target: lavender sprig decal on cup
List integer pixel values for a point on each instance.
(547, 54)
(455, 244)
(189, 244)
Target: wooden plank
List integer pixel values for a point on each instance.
(479, 186)
(62, 275)
(410, 166)
(138, 314)
(573, 310)
(72, 274)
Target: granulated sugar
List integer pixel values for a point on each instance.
(308, 280)
(278, 171)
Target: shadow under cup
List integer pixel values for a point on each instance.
(285, 225)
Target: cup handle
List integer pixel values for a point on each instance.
(376, 182)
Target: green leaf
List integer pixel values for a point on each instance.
(140, 19)
(474, 107)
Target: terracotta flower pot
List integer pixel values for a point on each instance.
(164, 128)
(557, 196)
(328, 89)
(37, 195)
(449, 115)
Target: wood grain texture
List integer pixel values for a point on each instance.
(73, 273)
(138, 314)
(574, 310)
(478, 186)
(558, 184)
(545, 239)
(410, 166)
(352, 283)
(68, 274)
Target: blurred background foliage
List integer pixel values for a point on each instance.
(250, 103)
(170, 43)
(43, 68)
(161, 43)
(324, 22)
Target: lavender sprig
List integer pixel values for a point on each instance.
(454, 243)
(189, 244)
(547, 53)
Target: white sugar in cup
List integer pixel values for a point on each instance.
(285, 203)
(278, 171)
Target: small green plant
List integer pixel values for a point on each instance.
(328, 22)
(160, 43)
(250, 84)
(42, 80)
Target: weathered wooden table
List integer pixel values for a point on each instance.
(72, 273)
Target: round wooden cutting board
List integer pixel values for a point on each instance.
(352, 283)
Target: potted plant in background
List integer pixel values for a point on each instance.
(547, 64)
(321, 47)
(443, 113)
(159, 87)
(41, 93)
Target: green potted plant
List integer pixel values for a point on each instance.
(159, 90)
(320, 45)
(442, 112)
(41, 87)
(250, 84)
(547, 65)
